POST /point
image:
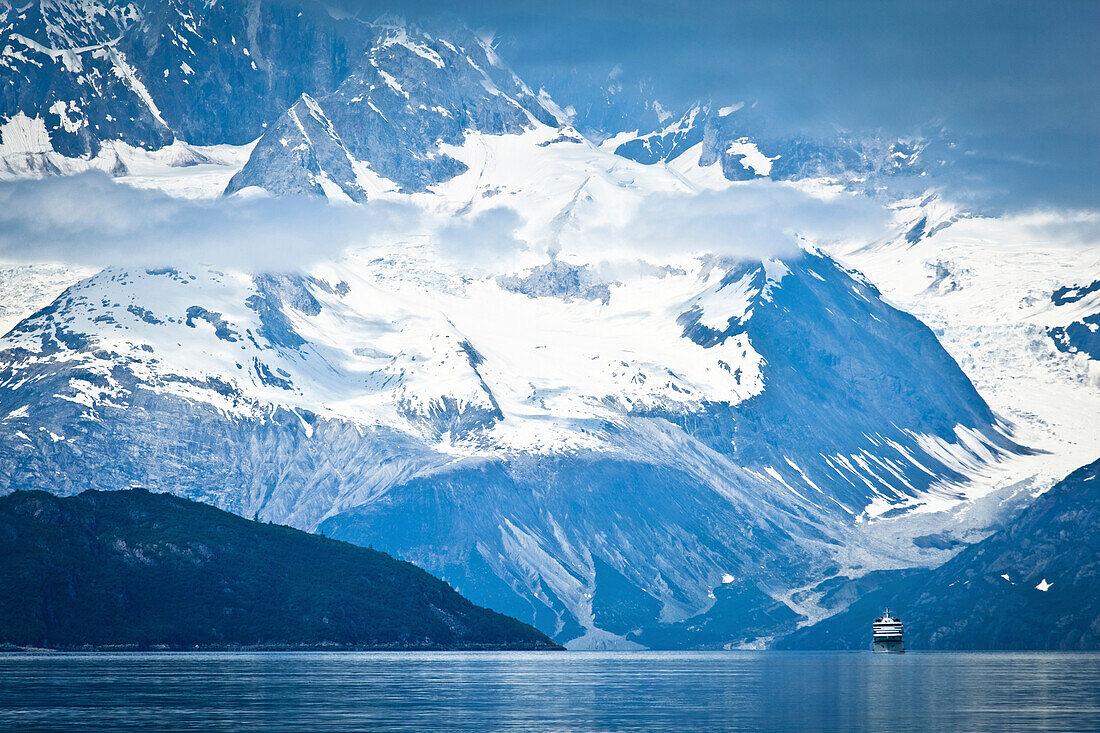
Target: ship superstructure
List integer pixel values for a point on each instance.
(887, 634)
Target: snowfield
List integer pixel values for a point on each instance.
(986, 286)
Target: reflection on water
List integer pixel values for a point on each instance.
(766, 691)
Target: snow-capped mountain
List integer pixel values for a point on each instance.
(737, 140)
(514, 392)
(735, 421)
(657, 427)
(410, 95)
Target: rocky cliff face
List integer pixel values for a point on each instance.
(147, 73)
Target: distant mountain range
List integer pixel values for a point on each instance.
(132, 569)
(624, 445)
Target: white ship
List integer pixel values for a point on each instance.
(886, 634)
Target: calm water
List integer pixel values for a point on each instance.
(772, 691)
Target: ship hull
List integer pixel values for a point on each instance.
(888, 647)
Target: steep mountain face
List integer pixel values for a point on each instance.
(1031, 585)
(131, 568)
(409, 96)
(834, 357)
(1010, 300)
(148, 72)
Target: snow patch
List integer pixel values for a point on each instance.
(752, 159)
(22, 134)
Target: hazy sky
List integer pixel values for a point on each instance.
(1016, 82)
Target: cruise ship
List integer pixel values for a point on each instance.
(886, 634)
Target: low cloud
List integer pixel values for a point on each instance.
(1073, 227)
(753, 220)
(483, 238)
(91, 220)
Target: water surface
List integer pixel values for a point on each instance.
(750, 691)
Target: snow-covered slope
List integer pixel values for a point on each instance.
(521, 392)
(27, 288)
(589, 441)
(1013, 300)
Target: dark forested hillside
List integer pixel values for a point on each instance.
(133, 568)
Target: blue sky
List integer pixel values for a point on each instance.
(1017, 83)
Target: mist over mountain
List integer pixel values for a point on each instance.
(1012, 84)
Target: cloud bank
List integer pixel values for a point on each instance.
(92, 221)
(748, 221)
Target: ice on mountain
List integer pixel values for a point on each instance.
(750, 157)
(558, 279)
(22, 134)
